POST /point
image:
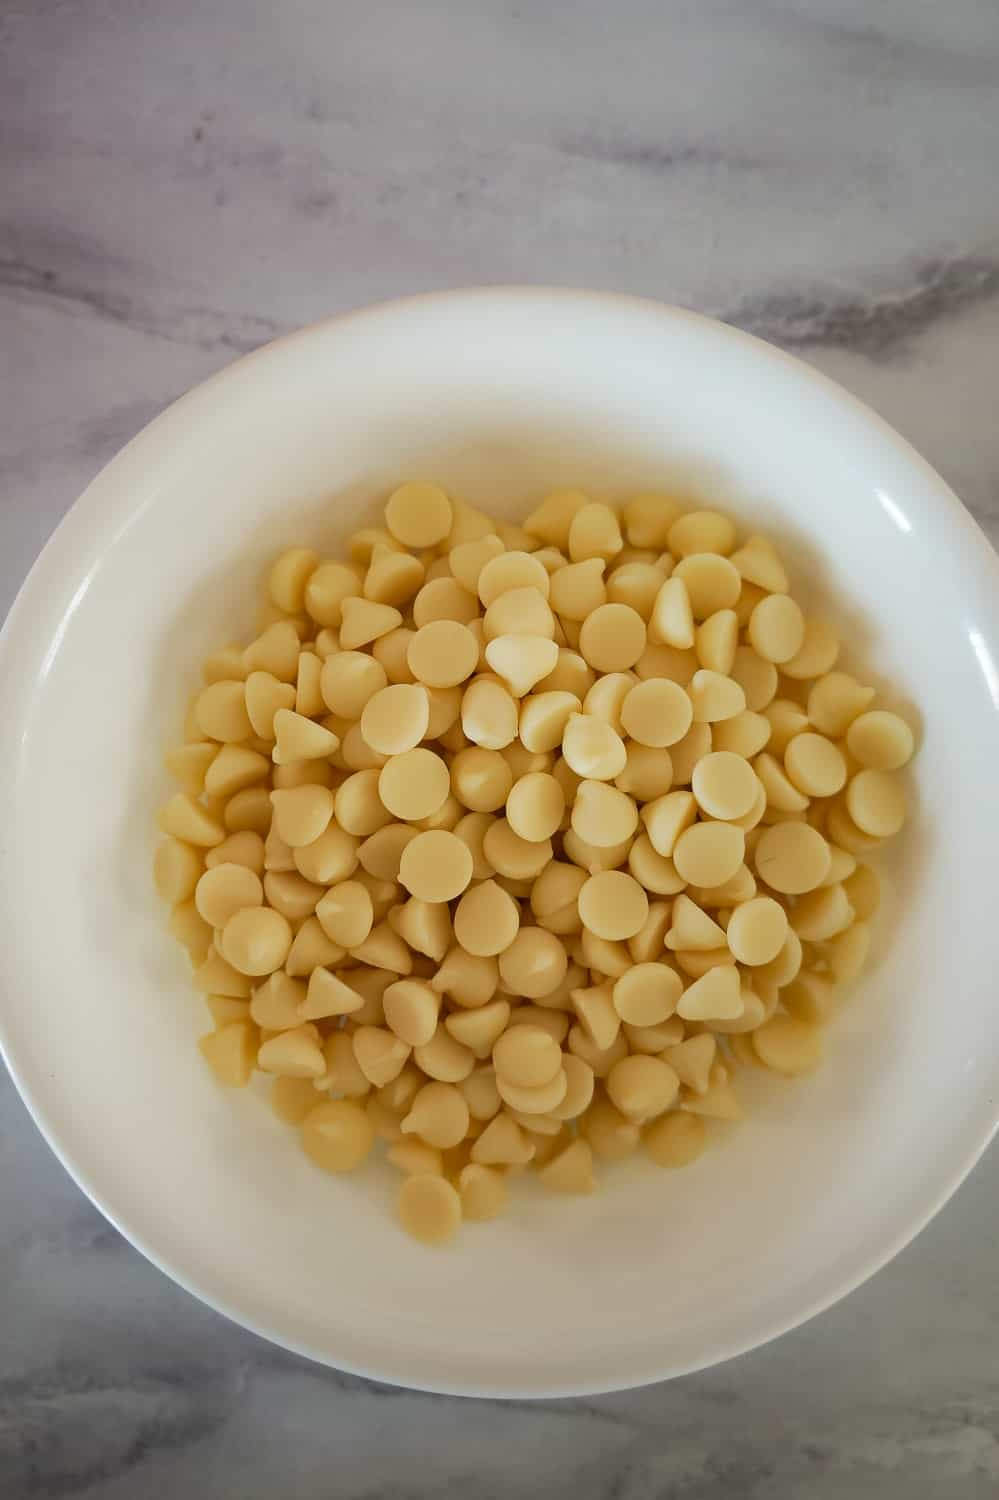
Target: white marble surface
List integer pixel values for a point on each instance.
(179, 182)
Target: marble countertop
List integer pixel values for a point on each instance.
(181, 182)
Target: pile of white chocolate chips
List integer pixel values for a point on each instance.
(512, 845)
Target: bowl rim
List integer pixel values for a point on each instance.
(86, 517)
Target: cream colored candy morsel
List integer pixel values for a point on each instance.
(406, 855)
(435, 866)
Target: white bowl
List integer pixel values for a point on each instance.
(499, 395)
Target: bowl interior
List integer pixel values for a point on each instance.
(500, 396)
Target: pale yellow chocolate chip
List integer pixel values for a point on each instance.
(571, 1170)
(642, 1087)
(879, 740)
(815, 765)
(443, 653)
(691, 929)
(327, 587)
(788, 1045)
(579, 1088)
(610, 1134)
(712, 583)
(298, 738)
(822, 914)
(381, 1056)
(716, 995)
(657, 713)
(593, 748)
(535, 806)
(817, 653)
(606, 697)
(685, 754)
(863, 890)
(357, 807)
(328, 995)
(393, 577)
(666, 818)
(543, 719)
(672, 620)
(782, 794)
(745, 734)
(483, 1192)
(225, 890)
(709, 853)
(522, 611)
(647, 520)
(647, 773)
(613, 905)
(534, 965)
(414, 785)
(256, 940)
(233, 769)
(692, 1060)
(511, 570)
(757, 930)
(701, 531)
(478, 1029)
(381, 854)
(302, 813)
(716, 641)
(363, 621)
(467, 559)
(348, 680)
(291, 894)
(489, 715)
(395, 719)
(189, 764)
(503, 1143)
(292, 1099)
(435, 866)
(288, 577)
(522, 660)
(337, 1135)
(715, 697)
(594, 532)
(486, 920)
(533, 1099)
(757, 677)
(526, 1056)
(776, 628)
(835, 700)
(786, 719)
(176, 870)
(444, 1057)
(725, 785)
(309, 699)
(647, 993)
(275, 651)
(656, 872)
(293, 1054)
(412, 1157)
(578, 589)
(439, 1115)
(792, 858)
(419, 515)
(346, 914)
(875, 800)
(443, 598)
(602, 815)
(220, 712)
(675, 1139)
(612, 638)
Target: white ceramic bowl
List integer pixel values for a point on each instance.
(499, 395)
